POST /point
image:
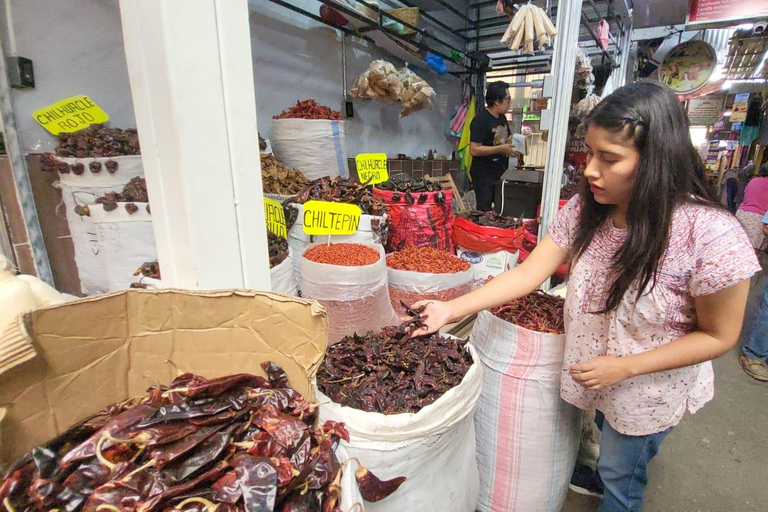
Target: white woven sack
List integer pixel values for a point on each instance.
(433, 448)
(313, 146)
(350, 491)
(83, 190)
(527, 436)
(126, 241)
(282, 278)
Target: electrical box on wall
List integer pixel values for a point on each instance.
(21, 74)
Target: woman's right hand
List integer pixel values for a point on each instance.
(437, 314)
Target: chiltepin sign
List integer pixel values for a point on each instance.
(70, 115)
(275, 216)
(326, 218)
(372, 168)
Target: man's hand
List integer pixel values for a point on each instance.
(601, 372)
(506, 149)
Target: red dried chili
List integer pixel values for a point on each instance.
(537, 311)
(346, 255)
(309, 109)
(427, 259)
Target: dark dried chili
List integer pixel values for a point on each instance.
(341, 190)
(537, 311)
(491, 219)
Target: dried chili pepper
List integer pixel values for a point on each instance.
(309, 109)
(78, 168)
(98, 141)
(95, 167)
(111, 166)
(348, 255)
(428, 260)
(537, 311)
(491, 219)
(131, 208)
(341, 190)
(371, 487)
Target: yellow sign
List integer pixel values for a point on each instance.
(275, 216)
(326, 218)
(70, 115)
(372, 168)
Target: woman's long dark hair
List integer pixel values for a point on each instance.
(670, 172)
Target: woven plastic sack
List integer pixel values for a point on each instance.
(355, 298)
(477, 238)
(410, 287)
(418, 225)
(527, 436)
(313, 146)
(433, 448)
(487, 264)
(282, 277)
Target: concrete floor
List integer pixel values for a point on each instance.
(717, 459)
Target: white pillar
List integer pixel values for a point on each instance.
(191, 73)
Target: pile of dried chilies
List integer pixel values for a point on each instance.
(345, 255)
(99, 141)
(428, 260)
(276, 178)
(537, 311)
(278, 249)
(491, 219)
(309, 109)
(135, 191)
(236, 443)
(341, 190)
(412, 191)
(390, 372)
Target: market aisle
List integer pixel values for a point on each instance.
(715, 460)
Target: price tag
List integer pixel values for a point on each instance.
(372, 168)
(326, 218)
(70, 115)
(275, 216)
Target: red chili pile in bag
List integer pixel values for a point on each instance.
(427, 259)
(537, 311)
(309, 109)
(346, 255)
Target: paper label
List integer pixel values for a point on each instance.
(70, 115)
(372, 168)
(326, 218)
(275, 217)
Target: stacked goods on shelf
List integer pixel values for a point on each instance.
(373, 221)
(382, 82)
(420, 213)
(91, 163)
(521, 346)
(426, 273)
(408, 405)
(489, 241)
(238, 441)
(281, 272)
(310, 137)
(530, 28)
(350, 281)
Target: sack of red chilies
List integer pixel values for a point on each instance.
(471, 236)
(419, 219)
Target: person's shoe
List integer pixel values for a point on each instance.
(586, 481)
(755, 368)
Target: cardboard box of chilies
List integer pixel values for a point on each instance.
(60, 364)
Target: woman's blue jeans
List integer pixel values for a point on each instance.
(757, 346)
(623, 468)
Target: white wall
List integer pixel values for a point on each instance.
(76, 47)
(295, 58)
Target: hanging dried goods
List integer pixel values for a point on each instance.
(426, 259)
(278, 249)
(390, 372)
(530, 28)
(277, 178)
(341, 190)
(491, 219)
(537, 311)
(381, 81)
(135, 191)
(347, 255)
(309, 109)
(234, 443)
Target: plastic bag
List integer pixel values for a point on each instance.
(355, 298)
(282, 277)
(487, 264)
(313, 146)
(434, 448)
(469, 235)
(410, 287)
(527, 435)
(417, 94)
(419, 225)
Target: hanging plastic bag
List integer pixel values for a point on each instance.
(282, 277)
(434, 448)
(355, 298)
(427, 224)
(477, 238)
(410, 287)
(527, 435)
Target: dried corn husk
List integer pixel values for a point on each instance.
(530, 28)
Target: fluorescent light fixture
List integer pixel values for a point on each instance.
(746, 26)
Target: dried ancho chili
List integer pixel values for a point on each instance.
(347, 255)
(427, 259)
(537, 311)
(98, 141)
(388, 372)
(309, 109)
(135, 191)
(340, 190)
(238, 443)
(403, 183)
(491, 219)
(278, 249)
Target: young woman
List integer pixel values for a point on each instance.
(658, 284)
